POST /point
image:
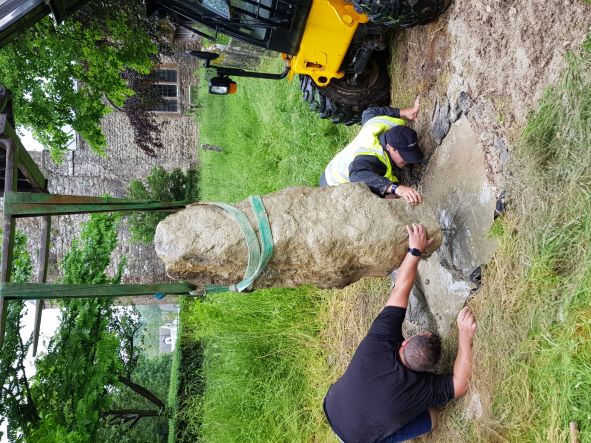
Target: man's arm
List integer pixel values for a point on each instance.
(369, 170)
(463, 364)
(407, 272)
(376, 111)
(411, 113)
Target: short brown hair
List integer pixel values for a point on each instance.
(422, 352)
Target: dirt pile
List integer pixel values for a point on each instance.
(329, 237)
(493, 61)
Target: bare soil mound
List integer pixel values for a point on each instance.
(502, 54)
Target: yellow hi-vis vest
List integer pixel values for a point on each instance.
(366, 143)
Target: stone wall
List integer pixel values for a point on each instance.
(83, 172)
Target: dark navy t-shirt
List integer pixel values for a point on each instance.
(377, 394)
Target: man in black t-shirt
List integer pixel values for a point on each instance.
(386, 395)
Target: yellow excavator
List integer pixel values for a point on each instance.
(337, 47)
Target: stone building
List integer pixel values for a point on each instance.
(83, 172)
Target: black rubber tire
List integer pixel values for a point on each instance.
(401, 13)
(344, 103)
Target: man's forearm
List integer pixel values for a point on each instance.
(463, 366)
(378, 184)
(405, 278)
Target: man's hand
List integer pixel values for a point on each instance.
(463, 363)
(466, 324)
(417, 237)
(410, 113)
(408, 194)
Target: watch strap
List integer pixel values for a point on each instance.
(414, 251)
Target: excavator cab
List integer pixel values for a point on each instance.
(277, 25)
(313, 35)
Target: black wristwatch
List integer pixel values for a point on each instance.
(414, 251)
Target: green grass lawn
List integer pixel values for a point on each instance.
(185, 395)
(260, 353)
(271, 139)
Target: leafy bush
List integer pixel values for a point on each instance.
(22, 266)
(161, 185)
(89, 257)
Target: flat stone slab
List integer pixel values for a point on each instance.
(457, 188)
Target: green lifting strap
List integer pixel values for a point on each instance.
(252, 242)
(257, 262)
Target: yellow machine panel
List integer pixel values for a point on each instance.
(327, 36)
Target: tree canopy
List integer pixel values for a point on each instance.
(72, 74)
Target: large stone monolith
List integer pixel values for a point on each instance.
(329, 237)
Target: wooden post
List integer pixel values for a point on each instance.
(10, 178)
(41, 276)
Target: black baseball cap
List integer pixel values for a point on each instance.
(405, 141)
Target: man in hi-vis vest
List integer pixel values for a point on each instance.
(384, 143)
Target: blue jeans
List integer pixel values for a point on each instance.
(419, 425)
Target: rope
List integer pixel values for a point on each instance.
(257, 260)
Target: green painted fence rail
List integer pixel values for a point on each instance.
(44, 291)
(31, 204)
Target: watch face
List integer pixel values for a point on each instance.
(415, 252)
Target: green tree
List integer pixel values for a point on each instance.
(155, 373)
(70, 387)
(90, 255)
(16, 403)
(66, 75)
(175, 185)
